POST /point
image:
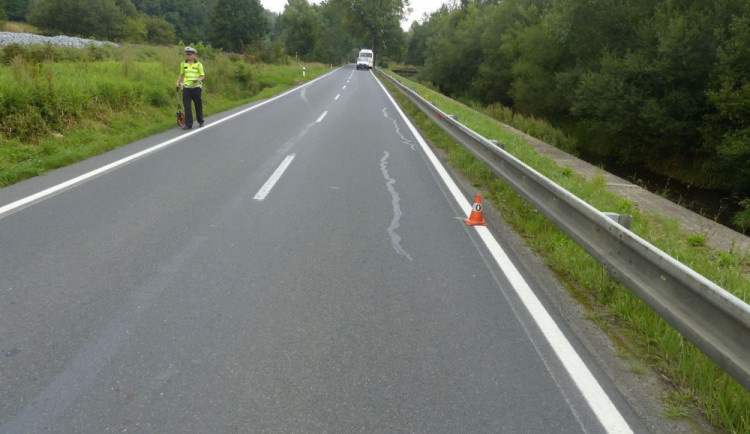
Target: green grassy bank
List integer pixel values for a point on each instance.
(643, 339)
(61, 105)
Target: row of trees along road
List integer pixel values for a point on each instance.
(665, 83)
(331, 32)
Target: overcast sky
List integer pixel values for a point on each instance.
(419, 6)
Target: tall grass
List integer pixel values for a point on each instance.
(530, 125)
(60, 105)
(697, 381)
(18, 27)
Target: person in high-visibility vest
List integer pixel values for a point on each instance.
(191, 79)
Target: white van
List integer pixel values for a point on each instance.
(365, 59)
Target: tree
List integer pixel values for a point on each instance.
(539, 53)
(189, 18)
(127, 8)
(134, 30)
(144, 28)
(501, 24)
(647, 103)
(16, 9)
(301, 27)
(416, 45)
(159, 31)
(97, 18)
(453, 55)
(376, 22)
(335, 45)
(237, 24)
(728, 129)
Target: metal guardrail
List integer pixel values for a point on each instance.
(715, 321)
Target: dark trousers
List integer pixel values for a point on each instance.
(192, 94)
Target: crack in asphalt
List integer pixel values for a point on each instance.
(395, 201)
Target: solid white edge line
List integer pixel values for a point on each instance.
(320, 119)
(598, 400)
(266, 189)
(44, 194)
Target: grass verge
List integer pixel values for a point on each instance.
(635, 329)
(18, 27)
(62, 105)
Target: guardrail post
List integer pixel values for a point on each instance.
(500, 145)
(621, 219)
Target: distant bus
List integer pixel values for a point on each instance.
(365, 59)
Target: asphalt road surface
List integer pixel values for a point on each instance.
(297, 265)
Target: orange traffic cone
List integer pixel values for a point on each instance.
(476, 218)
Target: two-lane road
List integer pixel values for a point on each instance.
(295, 266)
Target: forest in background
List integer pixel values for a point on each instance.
(665, 83)
(331, 32)
(660, 83)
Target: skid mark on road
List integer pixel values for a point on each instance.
(398, 130)
(396, 201)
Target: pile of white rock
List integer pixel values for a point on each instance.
(8, 38)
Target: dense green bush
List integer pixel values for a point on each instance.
(656, 82)
(3, 14)
(117, 20)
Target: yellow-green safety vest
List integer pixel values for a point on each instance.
(191, 73)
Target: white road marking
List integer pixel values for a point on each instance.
(320, 119)
(343, 88)
(592, 391)
(263, 192)
(337, 97)
(59, 188)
